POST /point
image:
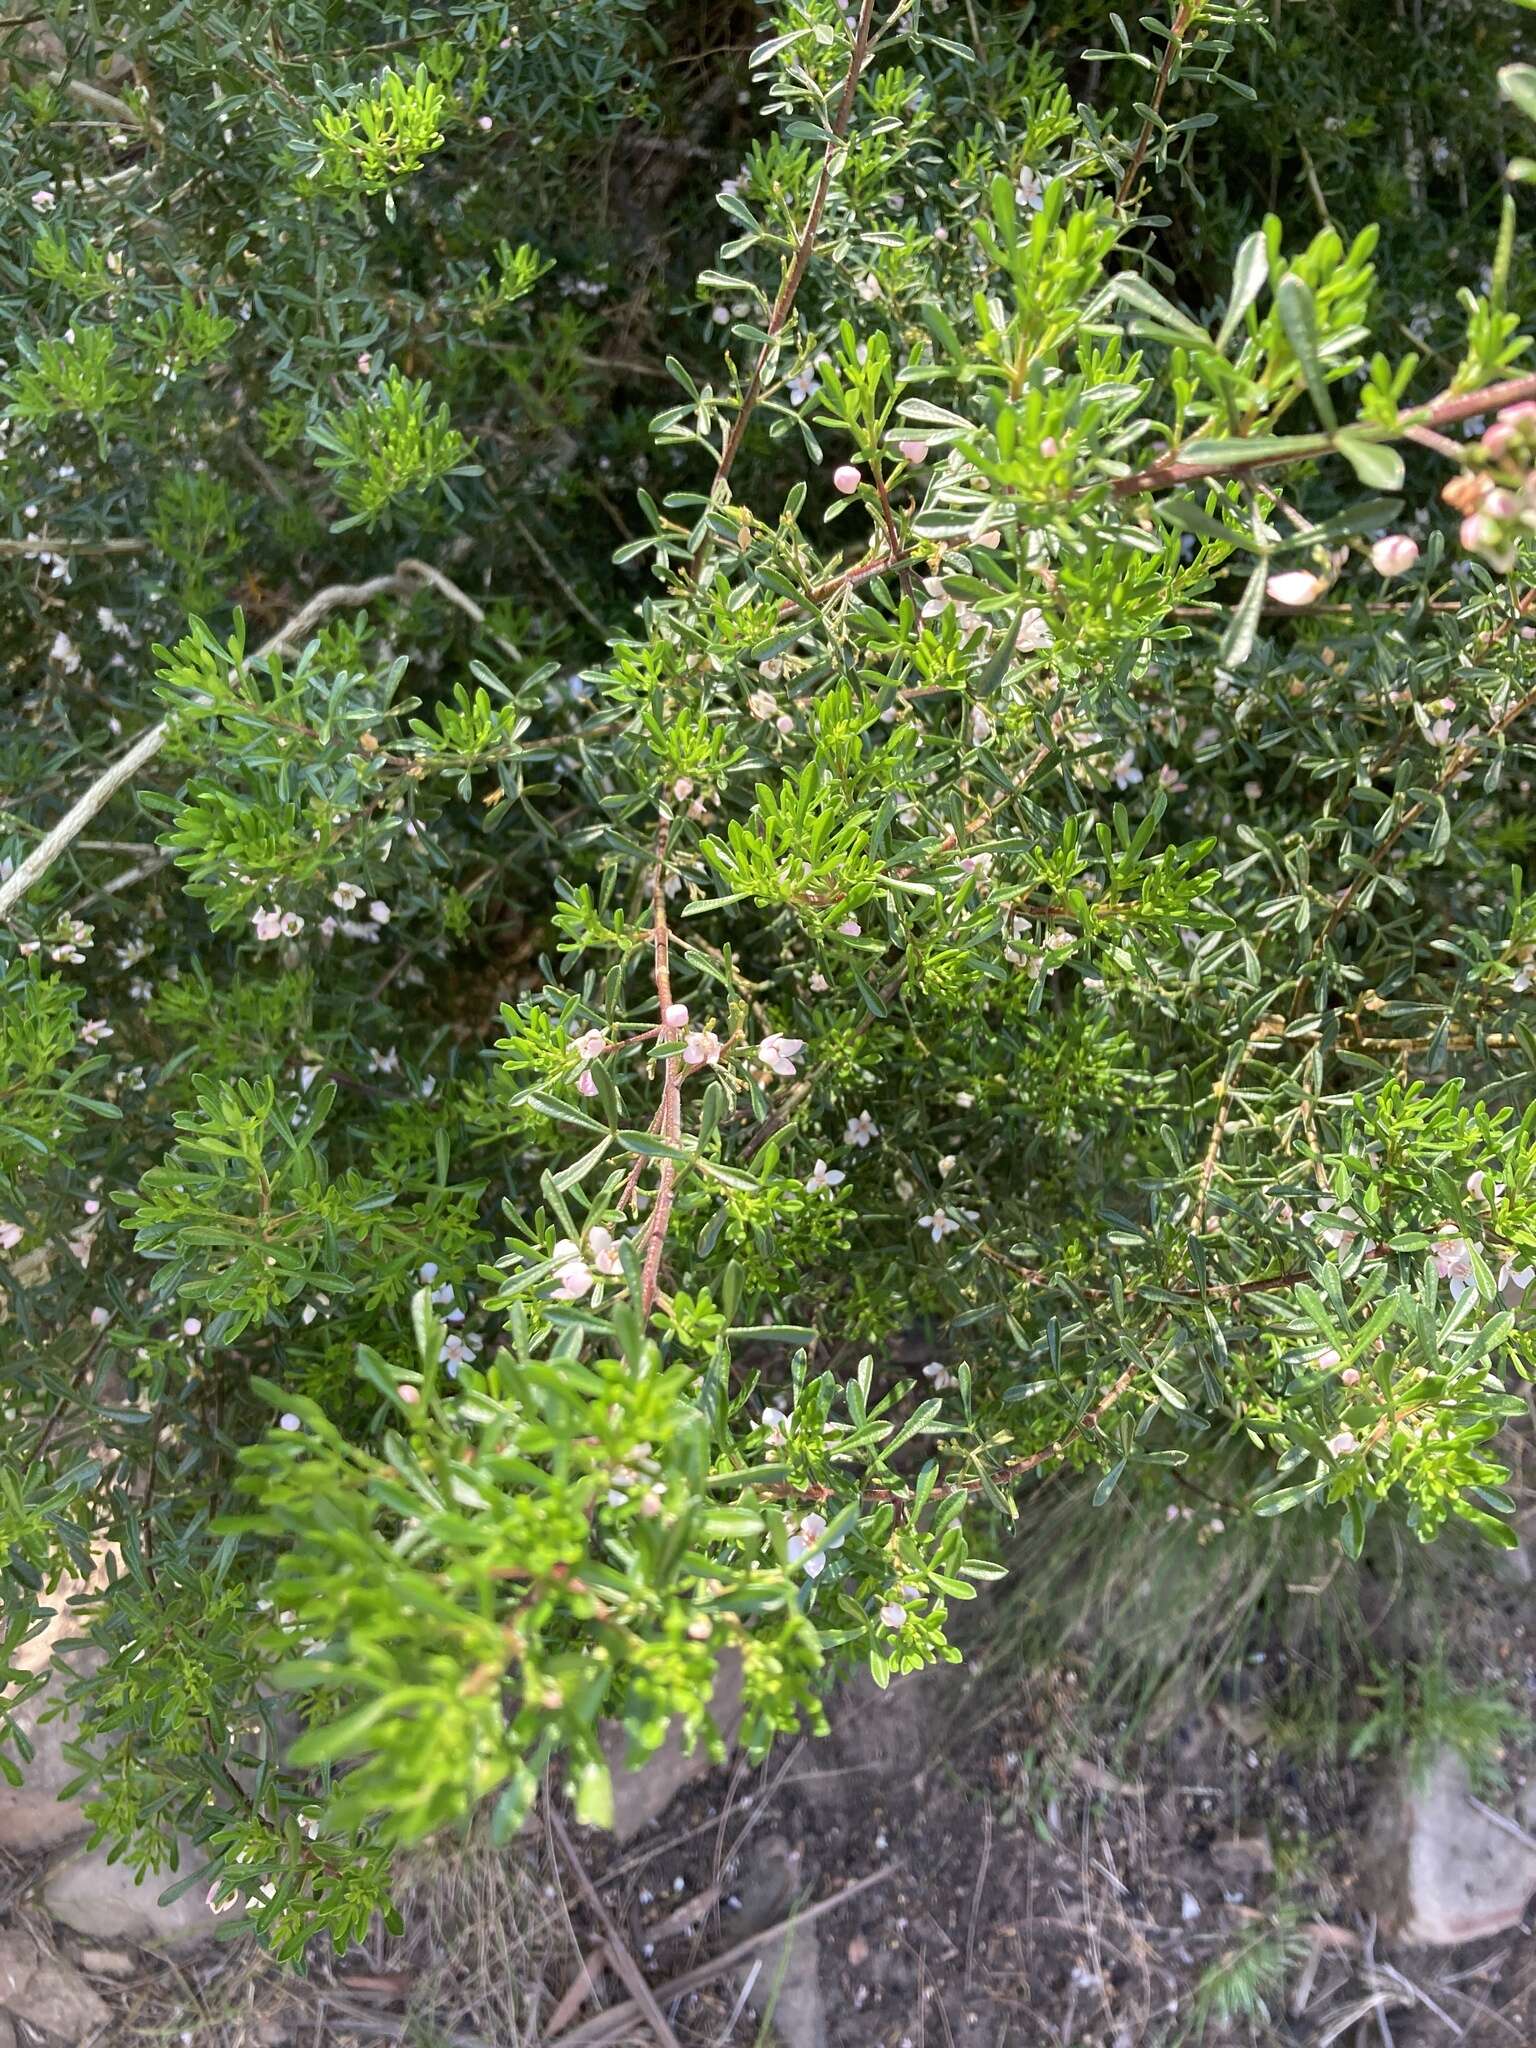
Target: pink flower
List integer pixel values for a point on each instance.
(1453, 1261)
(675, 1016)
(346, 895)
(592, 1044)
(893, 1615)
(603, 1248)
(702, 1049)
(586, 1082)
(780, 1053)
(851, 928)
(862, 1130)
(11, 1235)
(806, 1537)
(459, 1350)
(822, 1178)
(939, 1225)
(1394, 554)
(267, 924)
(94, 1030)
(847, 477)
(913, 451)
(1030, 190)
(572, 1278)
(940, 1375)
(1341, 1445)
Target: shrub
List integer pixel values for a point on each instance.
(1041, 876)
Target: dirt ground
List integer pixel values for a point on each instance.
(973, 1859)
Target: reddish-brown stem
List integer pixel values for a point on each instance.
(783, 303)
(1176, 36)
(1445, 411)
(671, 1113)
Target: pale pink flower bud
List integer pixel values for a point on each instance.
(675, 1016)
(1394, 554)
(847, 478)
(1294, 587)
(913, 451)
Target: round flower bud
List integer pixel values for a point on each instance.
(1394, 554)
(913, 451)
(847, 478)
(675, 1016)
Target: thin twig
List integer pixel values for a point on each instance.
(36, 544)
(976, 1891)
(1445, 411)
(108, 103)
(670, 1116)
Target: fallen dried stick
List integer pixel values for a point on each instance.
(624, 1964)
(608, 2028)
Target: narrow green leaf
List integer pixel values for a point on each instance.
(1250, 274)
(1237, 641)
(1149, 302)
(1298, 316)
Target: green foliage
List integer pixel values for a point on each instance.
(1419, 1713)
(387, 445)
(381, 136)
(997, 820)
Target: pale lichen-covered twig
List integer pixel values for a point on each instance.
(405, 577)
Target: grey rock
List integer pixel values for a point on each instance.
(1438, 1871)
(102, 1900)
(32, 1816)
(47, 1992)
(640, 1795)
(784, 1981)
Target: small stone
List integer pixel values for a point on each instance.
(107, 1962)
(1439, 1871)
(101, 1899)
(46, 1992)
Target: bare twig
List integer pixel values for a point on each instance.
(976, 1892)
(108, 103)
(37, 544)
